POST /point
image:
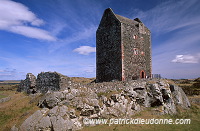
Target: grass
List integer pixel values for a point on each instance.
(190, 87)
(8, 86)
(82, 80)
(4, 118)
(108, 94)
(10, 81)
(2, 96)
(16, 110)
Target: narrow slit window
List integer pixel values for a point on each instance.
(134, 36)
(135, 51)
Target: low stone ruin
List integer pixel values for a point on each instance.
(46, 81)
(51, 81)
(65, 104)
(28, 85)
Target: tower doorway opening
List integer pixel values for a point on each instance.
(142, 74)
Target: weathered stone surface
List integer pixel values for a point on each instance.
(30, 123)
(179, 96)
(123, 48)
(53, 111)
(57, 121)
(28, 85)
(50, 100)
(51, 81)
(44, 124)
(14, 128)
(45, 82)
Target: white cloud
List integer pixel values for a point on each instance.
(85, 50)
(15, 17)
(32, 32)
(186, 59)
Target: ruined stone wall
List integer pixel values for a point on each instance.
(51, 81)
(28, 85)
(46, 81)
(108, 44)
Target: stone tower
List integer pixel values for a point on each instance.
(123, 49)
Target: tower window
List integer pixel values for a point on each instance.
(135, 36)
(135, 51)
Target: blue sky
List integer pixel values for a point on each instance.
(59, 35)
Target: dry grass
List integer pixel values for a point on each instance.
(2, 95)
(10, 82)
(108, 94)
(16, 110)
(82, 80)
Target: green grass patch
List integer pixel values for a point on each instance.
(2, 96)
(16, 110)
(4, 118)
(25, 109)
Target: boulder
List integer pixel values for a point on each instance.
(179, 96)
(57, 121)
(52, 99)
(31, 122)
(44, 124)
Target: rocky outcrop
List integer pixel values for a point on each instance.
(28, 85)
(55, 119)
(66, 109)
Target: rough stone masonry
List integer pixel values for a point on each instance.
(46, 81)
(123, 49)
